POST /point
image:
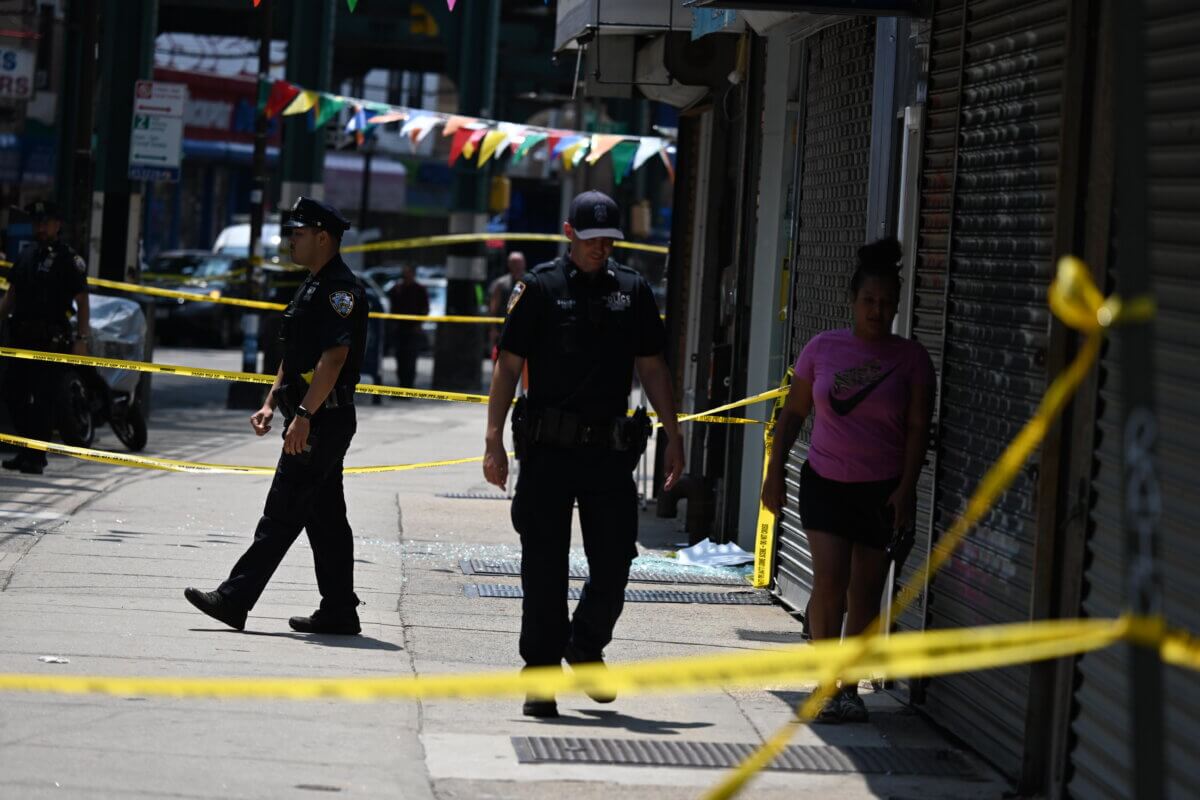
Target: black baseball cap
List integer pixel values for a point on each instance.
(595, 215)
(309, 213)
(41, 210)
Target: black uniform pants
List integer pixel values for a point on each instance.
(29, 389)
(551, 481)
(305, 494)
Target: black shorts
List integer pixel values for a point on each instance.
(854, 511)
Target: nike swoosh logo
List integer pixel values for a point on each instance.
(844, 406)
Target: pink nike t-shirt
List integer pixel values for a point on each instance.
(860, 398)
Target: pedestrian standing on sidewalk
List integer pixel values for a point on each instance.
(47, 286)
(498, 293)
(583, 323)
(408, 297)
(324, 335)
(872, 395)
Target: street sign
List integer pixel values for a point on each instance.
(16, 73)
(156, 143)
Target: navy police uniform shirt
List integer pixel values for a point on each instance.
(46, 278)
(329, 310)
(580, 334)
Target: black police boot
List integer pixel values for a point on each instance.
(539, 707)
(576, 658)
(217, 607)
(26, 465)
(323, 621)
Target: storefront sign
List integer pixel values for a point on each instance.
(16, 73)
(156, 144)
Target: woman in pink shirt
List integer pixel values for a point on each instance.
(872, 395)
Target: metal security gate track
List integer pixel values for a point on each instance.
(750, 598)
(473, 496)
(482, 566)
(723, 755)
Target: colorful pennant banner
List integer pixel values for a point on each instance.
(477, 140)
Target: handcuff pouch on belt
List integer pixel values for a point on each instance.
(558, 428)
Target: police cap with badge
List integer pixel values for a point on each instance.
(41, 210)
(309, 213)
(595, 215)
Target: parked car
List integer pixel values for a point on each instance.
(198, 272)
(235, 240)
(436, 287)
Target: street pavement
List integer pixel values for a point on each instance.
(94, 559)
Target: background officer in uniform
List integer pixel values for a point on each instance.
(44, 282)
(324, 334)
(583, 323)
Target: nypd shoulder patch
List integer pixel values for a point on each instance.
(342, 302)
(517, 293)
(80, 265)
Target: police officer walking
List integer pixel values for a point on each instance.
(324, 335)
(45, 281)
(583, 323)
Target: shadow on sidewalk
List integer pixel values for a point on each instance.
(324, 640)
(594, 718)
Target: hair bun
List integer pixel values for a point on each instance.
(881, 254)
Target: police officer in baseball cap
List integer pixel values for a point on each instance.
(582, 323)
(47, 287)
(324, 335)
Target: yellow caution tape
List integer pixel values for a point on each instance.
(904, 655)
(764, 535)
(473, 238)
(362, 388)
(1075, 299)
(195, 297)
(262, 305)
(226, 375)
(171, 465)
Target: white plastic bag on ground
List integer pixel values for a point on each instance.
(707, 554)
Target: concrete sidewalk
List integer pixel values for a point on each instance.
(98, 579)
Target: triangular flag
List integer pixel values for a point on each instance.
(473, 142)
(282, 93)
(566, 142)
(667, 161)
(647, 146)
(577, 159)
(384, 117)
(491, 141)
(622, 159)
(451, 3)
(358, 120)
(569, 152)
(552, 140)
(601, 144)
(352, 4)
(458, 142)
(455, 122)
(327, 108)
(304, 101)
(417, 129)
(531, 141)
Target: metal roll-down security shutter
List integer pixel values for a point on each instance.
(998, 248)
(1101, 732)
(834, 163)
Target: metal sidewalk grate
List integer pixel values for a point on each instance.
(483, 566)
(724, 755)
(747, 598)
(473, 496)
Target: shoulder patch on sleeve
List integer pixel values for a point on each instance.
(342, 302)
(80, 265)
(517, 293)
